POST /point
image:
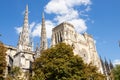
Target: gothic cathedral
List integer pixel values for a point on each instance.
(23, 55)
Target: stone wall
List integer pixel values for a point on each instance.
(83, 44)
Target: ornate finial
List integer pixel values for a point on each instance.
(27, 7)
(26, 11)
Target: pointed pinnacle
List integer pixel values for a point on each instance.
(27, 7)
(43, 15)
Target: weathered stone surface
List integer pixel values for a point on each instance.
(43, 43)
(24, 47)
(23, 55)
(83, 44)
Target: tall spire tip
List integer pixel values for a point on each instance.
(42, 14)
(27, 7)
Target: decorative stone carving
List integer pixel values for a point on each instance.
(83, 43)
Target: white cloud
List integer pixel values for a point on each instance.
(49, 26)
(65, 10)
(95, 41)
(18, 29)
(116, 62)
(79, 24)
(32, 25)
(37, 30)
(63, 6)
(71, 3)
(23, 12)
(88, 8)
(57, 7)
(72, 14)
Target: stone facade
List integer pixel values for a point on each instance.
(11, 51)
(83, 44)
(23, 54)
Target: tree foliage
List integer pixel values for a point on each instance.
(60, 63)
(14, 73)
(92, 74)
(3, 50)
(116, 72)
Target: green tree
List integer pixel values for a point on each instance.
(116, 72)
(57, 63)
(14, 74)
(60, 63)
(3, 50)
(92, 74)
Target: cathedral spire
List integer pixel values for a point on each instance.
(24, 39)
(111, 65)
(43, 44)
(43, 17)
(107, 67)
(103, 65)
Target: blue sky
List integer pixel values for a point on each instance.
(99, 18)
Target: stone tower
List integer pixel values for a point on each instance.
(43, 44)
(24, 54)
(83, 44)
(24, 43)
